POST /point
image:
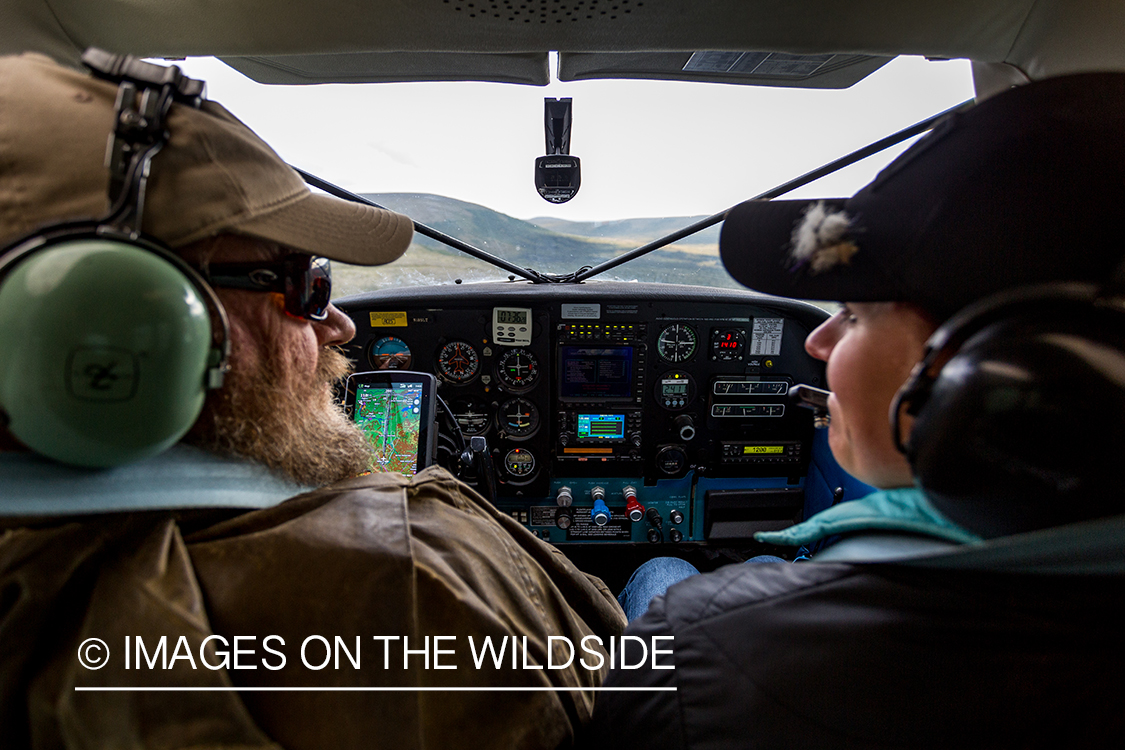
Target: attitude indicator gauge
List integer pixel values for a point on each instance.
(517, 369)
(677, 343)
(518, 417)
(390, 353)
(458, 362)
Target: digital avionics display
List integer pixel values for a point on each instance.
(758, 449)
(589, 373)
(391, 418)
(601, 426)
(674, 387)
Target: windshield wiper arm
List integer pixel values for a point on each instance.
(527, 273)
(895, 138)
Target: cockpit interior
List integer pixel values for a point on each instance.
(611, 418)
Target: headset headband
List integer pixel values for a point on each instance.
(145, 93)
(102, 363)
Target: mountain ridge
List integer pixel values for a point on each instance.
(552, 246)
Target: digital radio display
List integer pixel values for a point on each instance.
(748, 449)
(601, 426)
(595, 373)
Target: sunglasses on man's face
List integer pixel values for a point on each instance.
(304, 280)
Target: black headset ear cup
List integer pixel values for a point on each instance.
(1023, 424)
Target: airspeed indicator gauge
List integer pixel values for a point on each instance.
(677, 343)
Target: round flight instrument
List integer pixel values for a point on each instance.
(458, 362)
(671, 459)
(471, 414)
(677, 343)
(517, 369)
(519, 462)
(390, 353)
(518, 417)
(675, 389)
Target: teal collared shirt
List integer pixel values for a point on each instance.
(904, 510)
(181, 477)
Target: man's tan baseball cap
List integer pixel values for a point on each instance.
(214, 175)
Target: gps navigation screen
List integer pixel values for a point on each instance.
(592, 373)
(391, 419)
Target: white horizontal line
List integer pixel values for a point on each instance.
(372, 689)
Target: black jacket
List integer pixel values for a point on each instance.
(986, 646)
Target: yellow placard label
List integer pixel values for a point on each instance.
(388, 320)
(762, 449)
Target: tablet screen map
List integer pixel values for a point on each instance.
(391, 418)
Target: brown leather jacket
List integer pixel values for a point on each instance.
(375, 556)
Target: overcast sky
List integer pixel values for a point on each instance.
(647, 148)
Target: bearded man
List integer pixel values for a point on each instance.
(242, 583)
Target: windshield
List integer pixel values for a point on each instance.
(656, 157)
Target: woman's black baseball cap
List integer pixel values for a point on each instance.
(1026, 187)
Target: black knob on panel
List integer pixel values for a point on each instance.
(564, 518)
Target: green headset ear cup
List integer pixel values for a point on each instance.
(103, 351)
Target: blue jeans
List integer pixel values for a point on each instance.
(654, 577)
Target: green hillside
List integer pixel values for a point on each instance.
(515, 240)
(547, 245)
(634, 231)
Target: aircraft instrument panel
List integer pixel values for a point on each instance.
(613, 412)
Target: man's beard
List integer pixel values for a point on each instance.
(288, 423)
